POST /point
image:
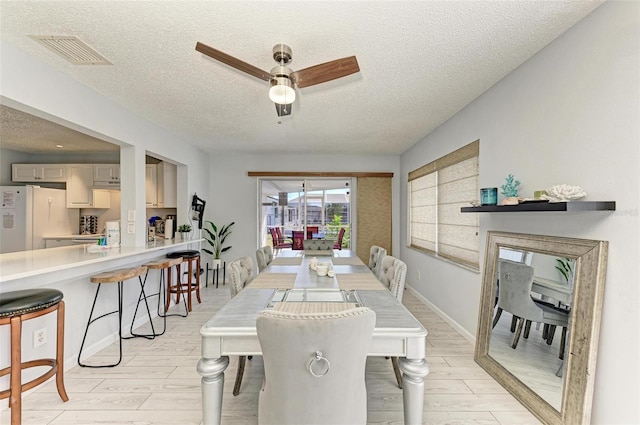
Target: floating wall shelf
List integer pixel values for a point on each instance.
(545, 206)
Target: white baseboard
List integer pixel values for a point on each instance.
(455, 325)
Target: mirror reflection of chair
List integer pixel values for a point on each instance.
(314, 367)
(376, 254)
(298, 240)
(264, 257)
(393, 273)
(514, 296)
(338, 244)
(241, 272)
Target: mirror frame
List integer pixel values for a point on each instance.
(584, 330)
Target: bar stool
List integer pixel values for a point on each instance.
(163, 265)
(15, 308)
(190, 257)
(115, 276)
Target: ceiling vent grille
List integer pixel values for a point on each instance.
(72, 49)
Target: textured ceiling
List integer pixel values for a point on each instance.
(421, 62)
(23, 132)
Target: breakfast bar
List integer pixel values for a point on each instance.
(69, 269)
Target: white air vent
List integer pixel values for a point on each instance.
(72, 49)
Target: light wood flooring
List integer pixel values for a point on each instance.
(157, 382)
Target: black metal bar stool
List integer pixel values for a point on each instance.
(15, 308)
(190, 257)
(115, 276)
(163, 265)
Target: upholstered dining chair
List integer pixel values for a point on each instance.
(393, 273)
(298, 240)
(376, 254)
(241, 273)
(314, 366)
(311, 230)
(514, 296)
(338, 244)
(277, 241)
(264, 257)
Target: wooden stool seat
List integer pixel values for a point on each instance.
(190, 257)
(117, 276)
(15, 308)
(163, 263)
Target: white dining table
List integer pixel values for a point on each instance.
(232, 331)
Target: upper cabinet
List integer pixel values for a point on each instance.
(79, 186)
(151, 185)
(42, 173)
(106, 175)
(80, 193)
(167, 185)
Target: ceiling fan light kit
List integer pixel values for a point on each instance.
(281, 91)
(282, 79)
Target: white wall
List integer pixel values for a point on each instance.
(568, 115)
(34, 87)
(235, 193)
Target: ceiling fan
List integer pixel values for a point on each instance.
(281, 78)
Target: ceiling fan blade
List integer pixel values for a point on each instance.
(325, 72)
(283, 110)
(231, 61)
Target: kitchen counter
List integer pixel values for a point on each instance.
(69, 269)
(40, 262)
(71, 237)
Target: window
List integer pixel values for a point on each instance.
(437, 191)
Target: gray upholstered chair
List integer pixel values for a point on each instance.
(376, 254)
(393, 273)
(514, 296)
(314, 367)
(264, 256)
(241, 272)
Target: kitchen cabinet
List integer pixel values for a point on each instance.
(151, 186)
(106, 175)
(42, 173)
(80, 192)
(167, 185)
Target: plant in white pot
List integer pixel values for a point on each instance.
(216, 237)
(183, 231)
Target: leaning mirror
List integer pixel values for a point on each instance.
(539, 321)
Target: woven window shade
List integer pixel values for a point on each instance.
(438, 191)
(374, 215)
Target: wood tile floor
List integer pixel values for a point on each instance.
(157, 382)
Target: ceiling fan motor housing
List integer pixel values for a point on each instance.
(282, 53)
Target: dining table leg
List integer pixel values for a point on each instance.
(212, 372)
(413, 373)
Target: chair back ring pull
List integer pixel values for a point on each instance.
(317, 357)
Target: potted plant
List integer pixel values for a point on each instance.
(183, 230)
(216, 236)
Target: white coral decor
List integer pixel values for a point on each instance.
(564, 192)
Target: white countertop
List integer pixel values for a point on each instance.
(18, 265)
(71, 237)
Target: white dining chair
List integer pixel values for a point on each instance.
(264, 257)
(393, 273)
(376, 254)
(314, 367)
(241, 273)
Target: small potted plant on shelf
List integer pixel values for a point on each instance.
(216, 237)
(183, 231)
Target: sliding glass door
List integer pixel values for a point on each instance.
(304, 209)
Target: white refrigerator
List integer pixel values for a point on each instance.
(31, 212)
